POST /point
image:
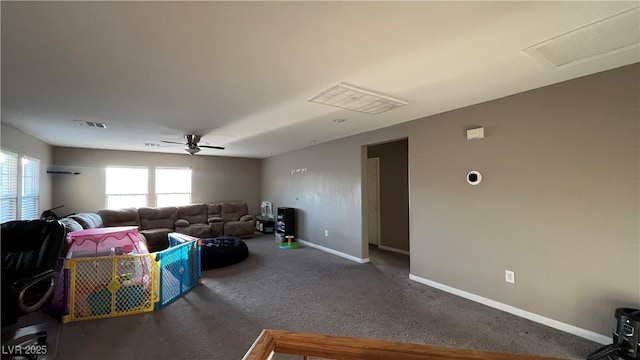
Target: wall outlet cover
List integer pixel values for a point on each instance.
(509, 276)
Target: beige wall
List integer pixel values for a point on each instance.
(394, 192)
(559, 203)
(17, 141)
(213, 178)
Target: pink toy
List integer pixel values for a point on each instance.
(107, 241)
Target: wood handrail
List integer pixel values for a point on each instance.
(348, 348)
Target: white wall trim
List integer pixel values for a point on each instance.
(584, 333)
(403, 252)
(334, 252)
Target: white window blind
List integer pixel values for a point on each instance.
(173, 186)
(30, 189)
(9, 186)
(126, 187)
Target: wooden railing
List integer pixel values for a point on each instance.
(343, 348)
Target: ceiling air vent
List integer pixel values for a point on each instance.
(603, 37)
(91, 124)
(351, 98)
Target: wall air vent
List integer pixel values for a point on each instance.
(604, 37)
(351, 98)
(91, 124)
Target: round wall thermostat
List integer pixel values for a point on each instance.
(474, 177)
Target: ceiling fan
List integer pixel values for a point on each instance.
(192, 144)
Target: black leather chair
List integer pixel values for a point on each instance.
(30, 250)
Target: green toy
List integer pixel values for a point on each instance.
(289, 245)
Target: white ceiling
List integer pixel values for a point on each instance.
(240, 73)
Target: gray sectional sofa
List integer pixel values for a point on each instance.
(154, 224)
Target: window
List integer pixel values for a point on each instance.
(173, 187)
(9, 186)
(30, 188)
(126, 187)
(23, 181)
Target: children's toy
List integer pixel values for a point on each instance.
(290, 244)
(98, 287)
(107, 241)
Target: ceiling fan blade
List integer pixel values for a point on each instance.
(212, 147)
(172, 142)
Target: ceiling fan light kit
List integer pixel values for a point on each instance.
(192, 151)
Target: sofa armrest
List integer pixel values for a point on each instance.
(182, 223)
(214, 219)
(246, 218)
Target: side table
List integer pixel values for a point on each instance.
(264, 224)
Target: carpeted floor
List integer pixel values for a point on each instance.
(313, 291)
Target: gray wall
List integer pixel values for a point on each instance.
(326, 196)
(17, 141)
(214, 178)
(394, 192)
(559, 202)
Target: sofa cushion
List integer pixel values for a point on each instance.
(195, 230)
(155, 218)
(241, 229)
(214, 211)
(247, 218)
(233, 211)
(70, 224)
(217, 229)
(119, 217)
(194, 214)
(156, 239)
(181, 223)
(88, 220)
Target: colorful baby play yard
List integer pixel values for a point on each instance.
(121, 278)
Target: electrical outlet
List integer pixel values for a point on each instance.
(510, 276)
(326, 233)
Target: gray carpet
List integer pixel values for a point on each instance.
(309, 290)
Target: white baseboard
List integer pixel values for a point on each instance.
(334, 252)
(403, 252)
(583, 333)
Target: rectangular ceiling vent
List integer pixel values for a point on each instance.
(604, 37)
(351, 98)
(91, 124)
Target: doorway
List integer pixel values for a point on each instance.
(387, 203)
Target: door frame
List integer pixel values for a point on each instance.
(376, 160)
(364, 189)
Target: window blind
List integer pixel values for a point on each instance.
(8, 186)
(30, 188)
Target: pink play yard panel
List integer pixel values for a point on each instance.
(107, 241)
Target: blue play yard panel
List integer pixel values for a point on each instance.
(178, 269)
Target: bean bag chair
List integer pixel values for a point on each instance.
(222, 251)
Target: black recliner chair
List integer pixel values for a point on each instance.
(30, 250)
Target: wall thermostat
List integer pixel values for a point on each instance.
(474, 177)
